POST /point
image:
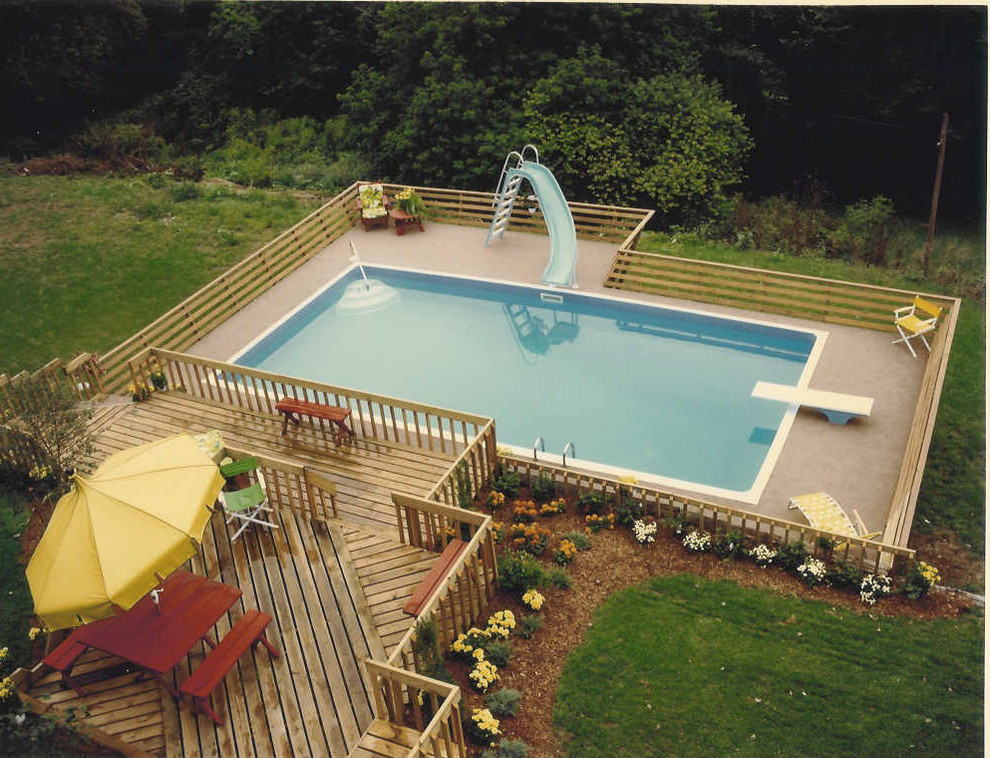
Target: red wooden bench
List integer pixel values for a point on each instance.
(291, 409)
(63, 657)
(425, 589)
(248, 631)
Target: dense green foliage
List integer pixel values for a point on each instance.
(849, 97)
(15, 597)
(688, 667)
(68, 241)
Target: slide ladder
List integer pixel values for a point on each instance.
(560, 270)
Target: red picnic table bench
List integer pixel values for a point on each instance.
(156, 637)
(291, 409)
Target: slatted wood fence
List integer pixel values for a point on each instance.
(373, 416)
(404, 696)
(472, 470)
(827, 300)
(663, 504)
(601, 223)
(292, 487)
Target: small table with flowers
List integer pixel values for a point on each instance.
(403, 219)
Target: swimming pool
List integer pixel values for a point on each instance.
(662, 393)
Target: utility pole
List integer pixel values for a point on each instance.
(935, 191)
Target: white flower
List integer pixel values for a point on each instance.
(812, 570)
(20, 718)
(763, 555)
(697, 542)
(645, 532)
(873, 587)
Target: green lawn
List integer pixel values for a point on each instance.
(87, 261)
(681, 666)
(953, 489)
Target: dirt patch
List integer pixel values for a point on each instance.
(615, 562)
(41, 514)
(957, 564)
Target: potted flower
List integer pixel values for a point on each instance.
(409, 201)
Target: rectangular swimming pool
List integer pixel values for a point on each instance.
(660, 393)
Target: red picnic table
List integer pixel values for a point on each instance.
(157, 637)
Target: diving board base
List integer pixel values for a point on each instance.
(838, 408)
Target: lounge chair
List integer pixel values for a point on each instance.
(838, 408)
(374, 206)
(916, 320)
(823, 512)
(249, 504)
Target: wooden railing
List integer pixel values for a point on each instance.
(292, 487)
(601, 223)
(472, 470)
(217, 301)
(471, 580)
(432, 707)
(708, 516)
(376, 417)
(905, 498)
(809, 297)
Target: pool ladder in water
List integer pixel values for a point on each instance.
(539, 443)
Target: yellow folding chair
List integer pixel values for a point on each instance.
(915, 321)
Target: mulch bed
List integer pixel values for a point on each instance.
(614, 562)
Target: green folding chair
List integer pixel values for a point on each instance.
(246, 505)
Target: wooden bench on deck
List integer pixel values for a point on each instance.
(425, 589)
(247, 632)
(64, 656)
(291, 409)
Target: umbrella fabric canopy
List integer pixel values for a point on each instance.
(139, 514)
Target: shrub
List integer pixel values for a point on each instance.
(920, 579)
(844, 574)
(528, 626)
(728, 545)
(481, 726)
(500, 625)
(791, 555)
(531, 538)
(554, 507)
(483, 674)
(873, 587)
(812, 571)
(645, 532)
(565, 553)
(494, 500)
(524, 512)
(507, 482)
(508, 749)
(533, 599)
(504, 702)
(762, 555)
(469, 645)
(591, 502)
(580, 540)
(628, 511)
(559, 579)
(697, 542)
(596, 523)
(184, 191)
(517, 572)
(498, 652)
(544, 487)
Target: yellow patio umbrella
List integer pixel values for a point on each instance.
(141, 513)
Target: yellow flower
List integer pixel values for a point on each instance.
(33, 633)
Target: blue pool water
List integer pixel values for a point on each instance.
(665, 392)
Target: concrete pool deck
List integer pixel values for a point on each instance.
(857, 464)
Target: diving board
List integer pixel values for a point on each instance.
(838, 408)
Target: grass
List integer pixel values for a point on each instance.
(679, 666)
(88, 260)
(952, 496)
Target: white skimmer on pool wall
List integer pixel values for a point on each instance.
(660, 393)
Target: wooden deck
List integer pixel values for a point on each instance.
(335, 591)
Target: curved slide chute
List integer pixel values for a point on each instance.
(560, 270)
(561, 267)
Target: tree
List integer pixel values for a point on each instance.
(670, 141)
